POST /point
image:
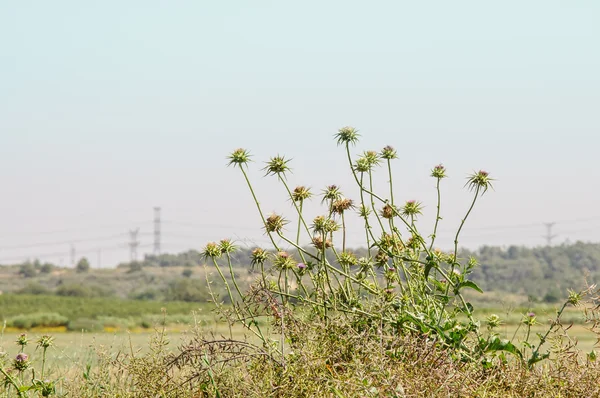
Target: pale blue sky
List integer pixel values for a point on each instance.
(110, 108)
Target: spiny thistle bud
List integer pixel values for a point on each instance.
(438, 171)
(276, 166)
(258, 256)
(372, 157)
(388, 153)
(493, 321)
(362, 165)
(212, 250)
(45, 341)
(340, 205)
(529, 319)
(381, 258)
(387, 211)
(226, 246)
(302, 268)
(479, 180)
(411, 208)
(239, 157)
(365, 264)
(347, 259)
(331, 193)
(322, 224)
(413, 242)
(283, 260)
(22, 340)
(472, 263)
(574, 298)
(391, 275)
(275, 223)
(439, 255)
(318, 242)
(364, 211)
(21, 362)
(301, 193)
(389, 242)
(347, 135)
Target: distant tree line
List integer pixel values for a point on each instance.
(544, 274)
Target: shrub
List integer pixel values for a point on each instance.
(47, 268)
(28, 270)
(34, 288)
(186, 290)
(79, 290)
(40, 319)
(83, 265)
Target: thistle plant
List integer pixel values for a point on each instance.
(403, 284)
(19, 373)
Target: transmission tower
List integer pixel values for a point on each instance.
(133, 244)
(157, 231)
(549, 236)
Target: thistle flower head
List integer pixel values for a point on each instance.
(391, 275)
(321, 244)
(365, 264)
(388, 153)
(283, 260)
(347, 135)
(331, 193)
(529, 319)
(493, 321)
(278, 165)
(212, 250)
(301, 193)
(239, 157)
(21, 362)
(438, 171)
(340, 205)
(480, 180)
(258, 256)
(45, 341)
(387, 211)
(574, 298)
(411, 208)
(364, 211)
(22, 340)
(362, 165)
(372, 158)
(324, 225)
(275, 223)
(301, 268)
(226, 246)
(414, 242)
(347, 259)
(381, 258)
(390, 242)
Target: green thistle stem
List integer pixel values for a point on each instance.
(262, 217)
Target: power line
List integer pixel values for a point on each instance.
(56, 243)
(60, 254)
(60, 231)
